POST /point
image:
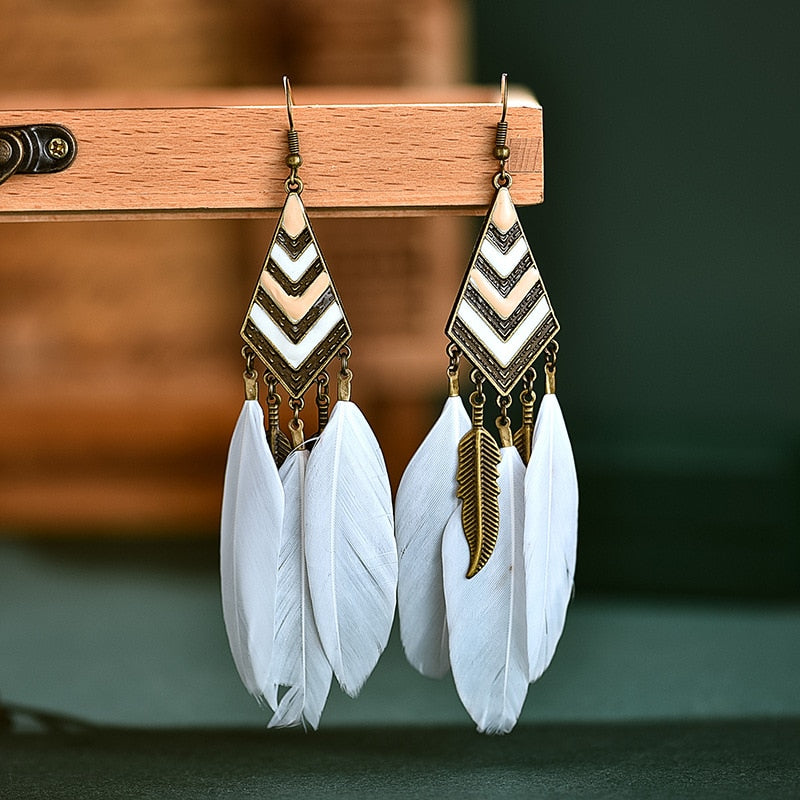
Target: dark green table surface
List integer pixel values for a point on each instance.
(645, 698)
(638, 760)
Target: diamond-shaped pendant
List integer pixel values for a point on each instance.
(295, 323)
(502, 319)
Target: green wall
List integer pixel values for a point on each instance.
(669, 243)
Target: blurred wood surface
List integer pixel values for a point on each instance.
(391, 156)
(145, 44)
(120, 372)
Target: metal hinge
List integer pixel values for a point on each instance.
(35, 149)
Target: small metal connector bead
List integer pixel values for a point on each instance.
(293, 160)
(501, 152)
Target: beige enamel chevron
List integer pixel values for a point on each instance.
(293, 219)
(504, 306)
(504, 215)
(295, 308)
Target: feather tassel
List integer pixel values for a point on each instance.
(350, 547)
(426, 498)
(252, 516)
(298, 660)
(551, 533)
(486, 613)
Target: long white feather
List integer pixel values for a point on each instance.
(252, 515)
(551, 533)
(298, 660)
(426, 499)
(486, 613)
(350, 549)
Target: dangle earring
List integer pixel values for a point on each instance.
(487, 535)
(308, 562)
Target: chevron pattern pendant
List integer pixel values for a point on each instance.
(502, 319)
(295, 323)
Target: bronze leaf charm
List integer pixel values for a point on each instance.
(523, 439)
(279, 445)
(478, 490)
(278, 441)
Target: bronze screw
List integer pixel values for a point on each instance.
(58, 148)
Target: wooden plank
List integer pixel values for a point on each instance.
(396, 157)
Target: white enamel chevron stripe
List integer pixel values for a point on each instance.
(296, 354)
(504, 352)
(504, 264)
(294, 269)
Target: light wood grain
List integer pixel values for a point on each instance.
(394, 158)
(120, 373)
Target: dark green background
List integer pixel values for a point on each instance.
(668, 241)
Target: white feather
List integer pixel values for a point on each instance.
(350, 550)
(426, 499)
(298, 660)
(486, 613)
(551, 533)
(252, 515)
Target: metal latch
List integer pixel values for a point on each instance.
(35, 149)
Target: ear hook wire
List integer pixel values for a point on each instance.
(503, 96)
(501, 151)
(287, 90)
(293, 160)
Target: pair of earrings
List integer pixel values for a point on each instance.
(481, 554)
